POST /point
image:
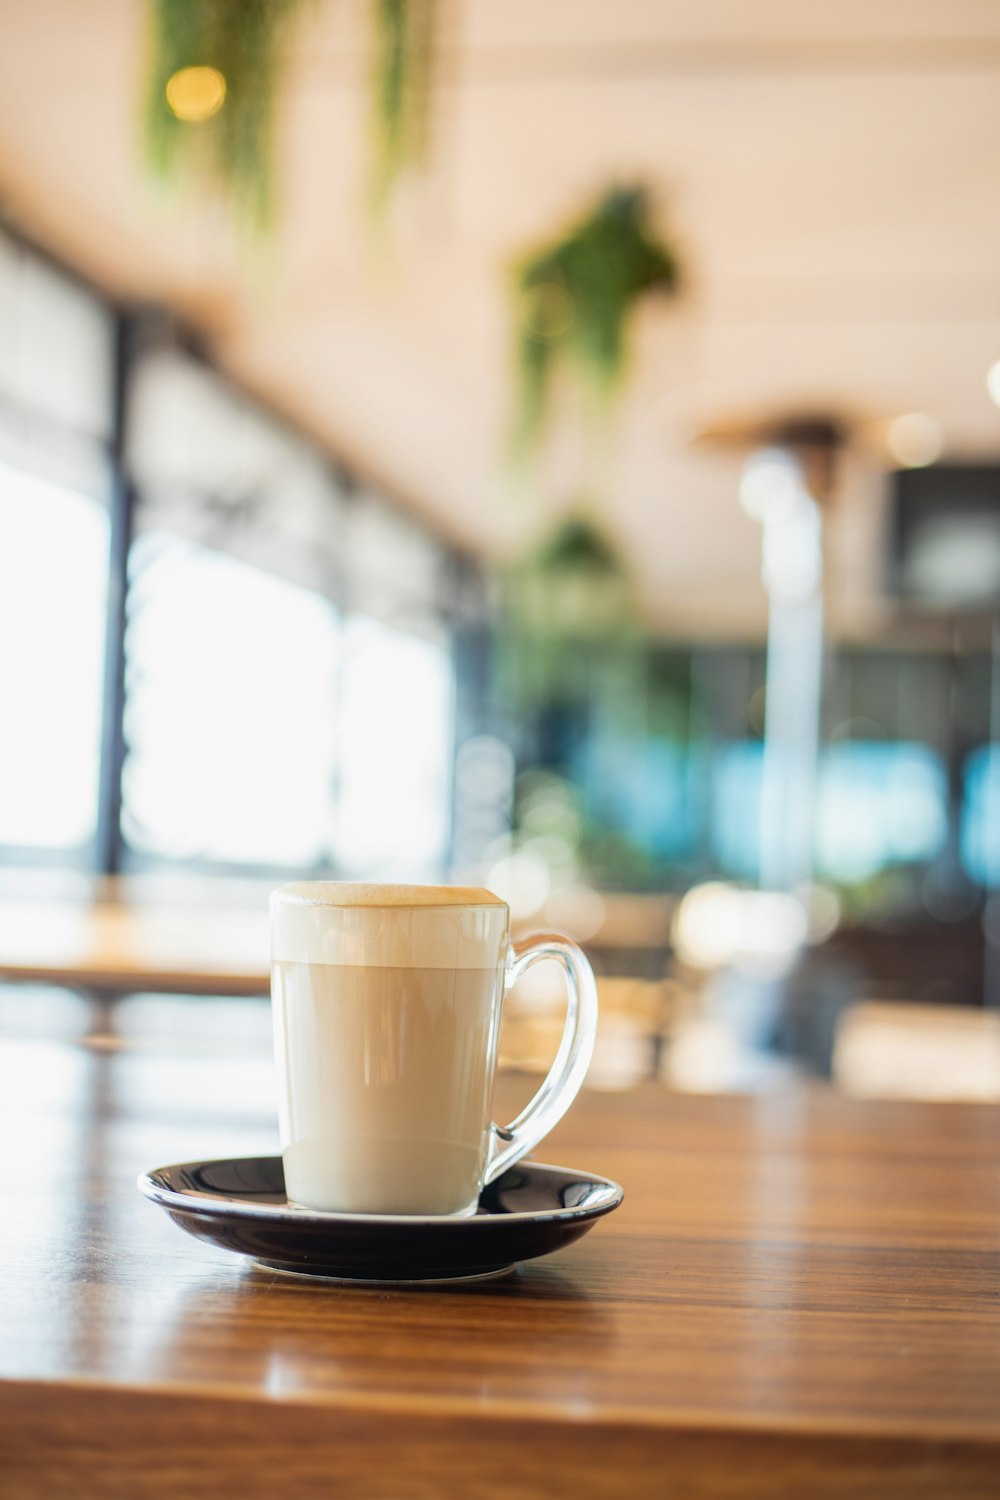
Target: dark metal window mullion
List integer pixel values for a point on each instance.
(108, 839)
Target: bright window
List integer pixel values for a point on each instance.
(879, 804)
(980, 828)
(395, 772)
(53, 586)
(231, 710)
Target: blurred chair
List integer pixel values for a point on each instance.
(901, 1051)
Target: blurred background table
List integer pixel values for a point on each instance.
(799, 1296)
(109, 947)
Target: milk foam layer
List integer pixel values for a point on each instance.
(369, 893)
(401, 926)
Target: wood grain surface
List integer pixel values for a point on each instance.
(800, 1296)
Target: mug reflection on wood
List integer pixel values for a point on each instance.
(387, 1002)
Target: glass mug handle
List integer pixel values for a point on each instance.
(562, 1084)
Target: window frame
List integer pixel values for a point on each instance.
(107, 853)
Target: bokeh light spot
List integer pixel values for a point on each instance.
(195, 94)
(915, 440)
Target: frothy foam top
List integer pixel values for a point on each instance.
(369, 894)
(402, 926)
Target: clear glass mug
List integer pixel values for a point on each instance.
(387, 1003)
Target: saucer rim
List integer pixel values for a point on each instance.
(396, 1283)
(220, 1206)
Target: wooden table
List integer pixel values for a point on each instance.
(112, 947)
(799, 1298)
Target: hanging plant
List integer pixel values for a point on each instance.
(569, 630)
(574, 584)
(575, 297)
(213, 75)
(405, 46)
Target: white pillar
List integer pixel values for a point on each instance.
(773, 491)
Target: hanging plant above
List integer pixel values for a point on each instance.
(575, 584)
(570, 625)
(405, 45)
(213, 75)
(575, 298)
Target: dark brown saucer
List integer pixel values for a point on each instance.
(241, 1205)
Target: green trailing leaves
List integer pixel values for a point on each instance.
(405, 33)
(232, 149)
(575, 297)
(569, 631)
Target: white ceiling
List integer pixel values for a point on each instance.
(832, 174)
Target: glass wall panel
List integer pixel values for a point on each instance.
(56, 367)
(259, 729)
(56, 343)
(394, 805)
(53, 582)
(879, 805)
(980, 831)
(231, 710)
(234, 638)
(209, 465)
